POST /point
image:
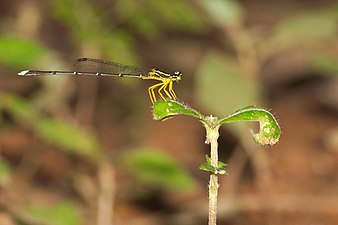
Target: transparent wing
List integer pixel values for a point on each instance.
(102, 66)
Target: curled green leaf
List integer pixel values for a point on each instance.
(268, 134)
(269, 130)
(163, 110)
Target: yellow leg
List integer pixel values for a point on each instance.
(152, 93)
(164, 88)
(171, 90)
(160, 89)
(168, 92)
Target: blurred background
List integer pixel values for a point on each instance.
(85, 150)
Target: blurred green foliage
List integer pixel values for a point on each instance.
(223, 12)
(221, 87)
(151, 17)
(89, 26)
(303, 31)
(64, 213)
(5, 172)
(17, 52)
(156, 169)
(68, 137)
(65, 135)
(144, 19)
(325, 63)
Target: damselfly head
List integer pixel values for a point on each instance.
(177, 75)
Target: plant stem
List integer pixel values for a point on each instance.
(212, 136)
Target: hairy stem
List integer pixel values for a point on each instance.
(212, 136)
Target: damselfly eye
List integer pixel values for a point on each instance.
(177, 73)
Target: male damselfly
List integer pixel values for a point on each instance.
(97, 67)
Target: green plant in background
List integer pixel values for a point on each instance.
(67, 136)
(64, 213)
(5, 172)
(154, 168)
(19, 52)
(269, 133)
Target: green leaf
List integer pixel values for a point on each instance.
(153, 167)
(174, 13)
(18, 107)
(119, 46)
(163, 110)
(303, 30)
(138, 17)
(60, 214)
(207, 167)
(114, 43)
(5, 173)
(222, 168)
(150, 17)
(269, 130)
(221, 87)
(207, 159)
(328, 64)
(71, 14)
(223, 12)
(19, 53)
(221, 164)
(65, 135)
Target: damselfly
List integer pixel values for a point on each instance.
(97, 67)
